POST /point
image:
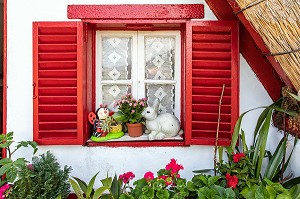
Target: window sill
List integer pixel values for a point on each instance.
(142, 141)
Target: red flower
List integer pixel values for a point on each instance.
(126, 177)
(238, 156)
(232, 181)
(174, 167)
(149, 176)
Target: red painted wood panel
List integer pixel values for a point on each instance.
(135, 11)
(58, 83)
(208, 68)
(266, 69)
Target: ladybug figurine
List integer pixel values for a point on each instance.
(97, 121)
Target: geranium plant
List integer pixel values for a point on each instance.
(130, 109)
(167, 184)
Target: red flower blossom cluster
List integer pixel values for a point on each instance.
(232, 181)
(238, 156)
(174, 167)
(149, 176)
(126, 177)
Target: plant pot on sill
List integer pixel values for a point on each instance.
(135, 130)
(279, 120)
(115, 128)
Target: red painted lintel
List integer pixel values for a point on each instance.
(137, 11)
(265, 68)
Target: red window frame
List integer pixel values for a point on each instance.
(171, 17)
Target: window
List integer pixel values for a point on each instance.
(146, 64)
(68, 73)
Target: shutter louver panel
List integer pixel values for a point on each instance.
(212, 60)
(57, 104)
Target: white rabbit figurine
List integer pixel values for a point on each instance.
(162, 125)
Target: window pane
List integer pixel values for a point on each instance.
(159, 58)
(116, 58)
(111, 93)
(165, 94)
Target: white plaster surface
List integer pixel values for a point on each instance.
(86, 161)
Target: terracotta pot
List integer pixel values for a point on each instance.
(135, 130)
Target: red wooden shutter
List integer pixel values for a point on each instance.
(58, 83)
(212, 59)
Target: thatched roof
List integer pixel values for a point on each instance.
(277, 21)
(273, 28)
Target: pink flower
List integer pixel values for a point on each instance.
(149, 176)
(134, 105)
(142, 103)
(126, 177)
(30, 167)
(132, 111)
(238, 156)
(174, 167)
(3, 189)
(232, 181)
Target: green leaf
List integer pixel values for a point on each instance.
(91, 186)
(292, 182)
(107, 181)
(5, 168)
(271, 192)
(244, 144)
(99, 192)
(202, 171)
(220, 152)
(115, 187)
(229, 194)
(212, 180)
(276, 160)
(260, 120)
(76, 188)
(295, 192)
(261, 193)
(5, 161)
(82, 184)
(249, 193)
(19, 162)
(162, 194)
(259, 150)
(295, 96)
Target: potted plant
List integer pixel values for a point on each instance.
(130, 112)
(114, 125)
(290, 102)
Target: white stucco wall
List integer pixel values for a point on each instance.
(86, 161)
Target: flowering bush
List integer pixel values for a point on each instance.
(238, 172)
(130, 109)
(167, 184)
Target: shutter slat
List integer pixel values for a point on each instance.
(57, 48)
(53, 65)
(58, 73)
(53, 108)
(57, 81)
(52, 91)
(211, 62)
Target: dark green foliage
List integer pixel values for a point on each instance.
(43, 180)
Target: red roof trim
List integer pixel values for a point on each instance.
(137, 11)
